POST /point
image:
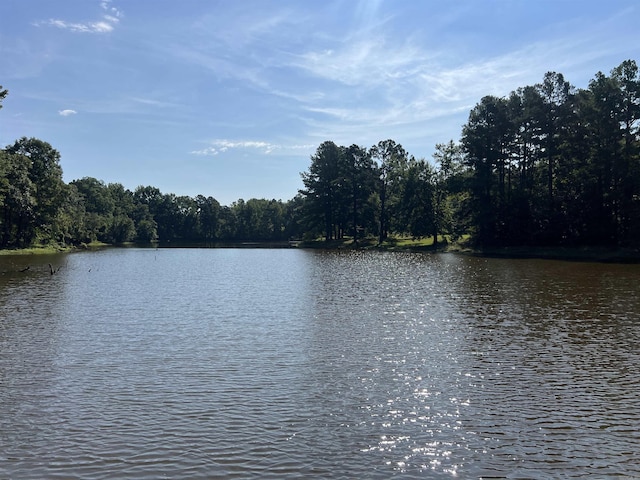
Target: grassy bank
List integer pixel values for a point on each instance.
(370, 243)
(51, 249)
(37, 250)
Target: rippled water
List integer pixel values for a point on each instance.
(235, 363)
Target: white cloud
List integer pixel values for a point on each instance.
(110, 18)
(110, 12)
(221, 146)
(92, 27)
(379, 87)
(67, 112)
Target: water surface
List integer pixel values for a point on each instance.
(236, 363)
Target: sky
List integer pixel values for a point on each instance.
(230, 98)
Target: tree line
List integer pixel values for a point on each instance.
(39, 208)
(548, 164)
(359, 192)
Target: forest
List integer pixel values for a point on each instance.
(547, 165)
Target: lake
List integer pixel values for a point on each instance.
(290, 363)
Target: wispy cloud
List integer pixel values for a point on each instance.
(66, 112)
(239, 27)
(90, 27)
(110, 13)
(153, 102)
(413, 85)
(221, 146)
(109, 19)
(365, 62)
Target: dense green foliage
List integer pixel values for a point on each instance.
(358, 192)
(554, 165)
(547, 165)
(39, 208)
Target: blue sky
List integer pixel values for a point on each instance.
(230, 98)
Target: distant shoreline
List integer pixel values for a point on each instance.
(586, 254)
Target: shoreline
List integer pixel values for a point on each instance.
(584, 253)
(581, 253)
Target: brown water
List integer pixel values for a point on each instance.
(141, 363)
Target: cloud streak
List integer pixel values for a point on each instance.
(67, 112)
(414, 86)
(110, 18)
(218, 147)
